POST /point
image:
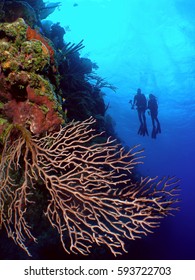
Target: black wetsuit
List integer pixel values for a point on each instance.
(141, 103)
(153, 107)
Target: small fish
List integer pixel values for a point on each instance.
(75, 5)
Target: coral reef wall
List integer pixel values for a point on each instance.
(27, 95)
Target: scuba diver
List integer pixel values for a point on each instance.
(141, 103)
(153, 107)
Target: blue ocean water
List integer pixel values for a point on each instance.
(147, 44)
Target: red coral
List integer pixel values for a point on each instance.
(37, 120)
(32, 114)
(4, 88)
(33, 34)
(17, 112)
(52, 119)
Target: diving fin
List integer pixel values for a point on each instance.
(143, 130)
(158, 130)
(154, 132)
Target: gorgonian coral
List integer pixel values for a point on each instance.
(92, 196)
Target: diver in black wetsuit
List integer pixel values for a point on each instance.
(141, 103)
(153, 107)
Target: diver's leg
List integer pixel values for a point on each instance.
(140, 130)
(153, 122)
(140, 116)
(154, 132)
(158, 126)
(144, 129)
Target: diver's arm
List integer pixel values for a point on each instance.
(134, 101)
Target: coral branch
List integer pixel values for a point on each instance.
(72, 48)
(100, 82)
(93, 198)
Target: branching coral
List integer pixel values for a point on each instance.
(100, 82)
(69, 48)
(92, 196)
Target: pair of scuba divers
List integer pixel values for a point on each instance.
(141, 103)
